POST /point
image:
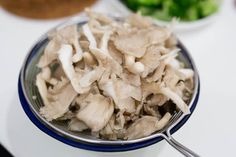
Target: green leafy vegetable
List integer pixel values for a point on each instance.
(185, 10)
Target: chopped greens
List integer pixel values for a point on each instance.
(185, 10)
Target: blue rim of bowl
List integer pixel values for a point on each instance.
(96, 147)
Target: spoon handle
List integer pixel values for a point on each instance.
(178, 146)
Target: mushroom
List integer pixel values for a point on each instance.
(138, 21)
(151, 110)
(95, 111)
(65, 57)
(132, 66)
(101, 53)
(112, 87)
(188, 73)
(120, 120)
(77, 125)
(67, 116)
(80, 81)
(141, 127)
(50, 53)
(42, 88)
(115, 54)
(176, 99)
(109, 132)
(98, 16)
(149, 60)
(87, 32)
(150, 88)
(112, 131)
(125, 43)
(171, 42)
(171, 78)
(60, 103)
(163, 121)
(146, 126)
(104, 43)
(158, 73)
(87, 79)
(61, 83)
(65, 54)
(125, 90)
(157, 99)
(89, 59)
(84, 43)
(47, 76)
(127, 105)
(169, 56)
(141, 39)
(131, 78)
(69, 35)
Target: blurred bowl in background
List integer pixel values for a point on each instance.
(45, 9)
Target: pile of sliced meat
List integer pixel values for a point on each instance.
(118, 79)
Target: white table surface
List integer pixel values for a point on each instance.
(210, 131)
